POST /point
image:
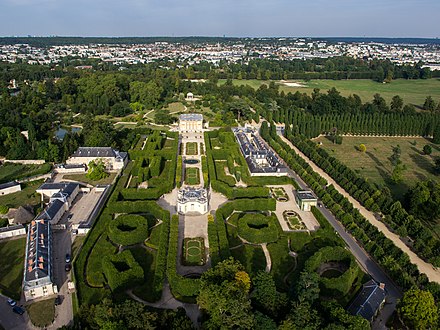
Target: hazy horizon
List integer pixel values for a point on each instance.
(242, 18)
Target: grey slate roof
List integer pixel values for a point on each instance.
(50, 211)
(368, 301)
(9, 185)
(38, 251)
(191, 116)
(94, 152)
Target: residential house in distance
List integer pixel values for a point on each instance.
(191, 122)
(305, 199)
(9, 188)
(114, 160)
(37, 279)
(369, 301)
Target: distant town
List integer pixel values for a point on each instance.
(231, 51)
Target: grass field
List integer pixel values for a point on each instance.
(26, 196)
(192, 176)
(375, 164)
(11, 266)
(10, 172)
(191, 148)
(42, 313)
(194, 251)
(412, 91)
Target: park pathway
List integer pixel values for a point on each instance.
(267, 255)
(424, 267)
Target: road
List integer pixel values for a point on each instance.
(363, 258)
(424, 267)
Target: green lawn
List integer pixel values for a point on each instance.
(192, 176)
(375, 164)
(412, 91)
(83, 178)
(42, 313)
(12, 253)
(191, 148)
(79, 240)
(10, 171)
(194, 251)
(26, 196)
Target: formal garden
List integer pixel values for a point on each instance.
(293, 220)
(191, 149)
(194, 251)
(279, 194)
(192, 176)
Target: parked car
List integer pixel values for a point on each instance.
(57, 301)
(68, 267)
(12, 302)
(69, 217)
(18, 310)
(68, 258)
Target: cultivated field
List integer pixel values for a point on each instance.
(412, 91)
(375, 164)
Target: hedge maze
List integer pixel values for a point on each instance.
(148, 236)
(132, 220)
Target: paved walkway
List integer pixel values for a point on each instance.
(424, 267)
(267, 255)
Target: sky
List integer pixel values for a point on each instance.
(231, 18)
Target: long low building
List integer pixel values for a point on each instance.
(9, 188)
(261, 159)
(113, 159)
(37, 279)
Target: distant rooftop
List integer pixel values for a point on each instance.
(191, 116)
(95, 152)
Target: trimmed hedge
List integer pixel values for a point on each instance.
(179, 172)
(122, 271)
(180, 286)
(340, 285)
(258, 228)
(128, 229)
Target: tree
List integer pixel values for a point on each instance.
(437, 165)
(427, 149)
(418, 310)
(224, 297)
(265, 296)
(397, 175)
(96, 170)
(436, 135)
(307, 288)
(429, 104)
(362, 148)
(396, 103)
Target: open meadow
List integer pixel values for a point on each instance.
(411, 91)
(375, 164)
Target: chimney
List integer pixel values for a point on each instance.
(382, 286)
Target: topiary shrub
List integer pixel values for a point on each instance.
(128, 229)
(258, 228)
(122, 271)
(336, 285)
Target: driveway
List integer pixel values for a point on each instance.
(8, 319)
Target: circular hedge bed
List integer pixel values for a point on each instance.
(128, 229)
(334, 285)
(258, 228)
